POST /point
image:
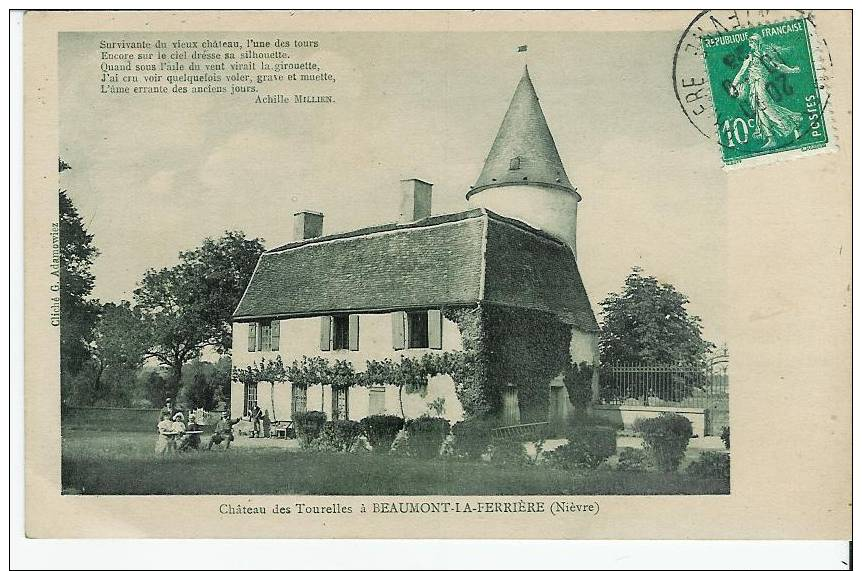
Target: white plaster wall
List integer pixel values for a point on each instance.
(236, 400)
(301, 336)
(584, 346)
(628, 414)
(553, 210)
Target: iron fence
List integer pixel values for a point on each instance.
(658, 384)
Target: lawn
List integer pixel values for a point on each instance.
(124, 463)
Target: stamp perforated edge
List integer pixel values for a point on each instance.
(823, 78)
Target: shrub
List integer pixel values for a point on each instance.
(339, 435)
(579, 384)
(587, 447)
(633, 460)
(710, 464)
(399, 445)
(472, 437)
(381, 430)
(425, 435)
(308, 426)
(665, 439)
(509, 453)
(578, 422)
(725, 437)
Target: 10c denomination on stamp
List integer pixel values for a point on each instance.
(764, 90)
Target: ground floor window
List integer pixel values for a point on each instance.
(249, 397)
(376, 400)
(298, 399)
(339, 403)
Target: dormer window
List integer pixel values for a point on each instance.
(515, 163)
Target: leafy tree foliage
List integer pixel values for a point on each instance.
(187, 307)
(118, 339)
(648, 322)
(204, 383)
(78, 313)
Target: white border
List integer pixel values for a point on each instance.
(378, 554)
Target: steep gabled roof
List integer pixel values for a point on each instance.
(454, 259)
(524, 137)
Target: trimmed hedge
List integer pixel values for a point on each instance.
(633, 460)
(509, 453)
(710, 464)
(665, 439)
(588, 447)
(725, 437)
(308, 426)
(425, 435)
(339, 435)
(472, 437)
(381, 430)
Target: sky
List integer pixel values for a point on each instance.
(152, 176)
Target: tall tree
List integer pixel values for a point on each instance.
(78, 313)
(187, 307)
(649, 322)
(118, 341)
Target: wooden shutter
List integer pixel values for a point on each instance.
(252, 336)
(275, 334)
(435, 329)
(325, 332)
(353, 332)
(398, 330)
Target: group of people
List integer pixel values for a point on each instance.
(177, 436)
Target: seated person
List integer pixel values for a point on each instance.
(178, 427)
(190, 441)
(223, 431)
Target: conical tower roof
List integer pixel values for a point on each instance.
(524, 152)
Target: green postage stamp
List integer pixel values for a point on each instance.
(765, 91)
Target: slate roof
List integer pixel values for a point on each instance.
(523, 135)
(454, 259)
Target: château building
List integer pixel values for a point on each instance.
(396, 290)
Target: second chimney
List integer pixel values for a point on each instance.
(415, 199)
(307, 224)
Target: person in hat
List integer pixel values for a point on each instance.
(168, 408)
(165, 437)
(178, 428)
(223, 431)
(190, 439)
(255, 415)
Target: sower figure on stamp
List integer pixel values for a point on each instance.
(255, 415)
(223, 431)
(772, 120)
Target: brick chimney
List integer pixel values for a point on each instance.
(307, 224)
(415, 199)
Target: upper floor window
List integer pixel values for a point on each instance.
(339, 332)
(514, 163)
(264, 335)
(417, 329)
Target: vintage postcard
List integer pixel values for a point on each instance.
(438, 274)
